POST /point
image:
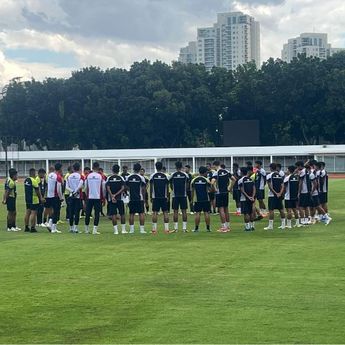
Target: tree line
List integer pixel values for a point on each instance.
(156, 105)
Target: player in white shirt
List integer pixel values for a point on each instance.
(95, 193)
(74, 186)
(55, 196)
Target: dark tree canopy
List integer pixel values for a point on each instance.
(154, 105)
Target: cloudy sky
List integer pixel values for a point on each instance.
(43, 38)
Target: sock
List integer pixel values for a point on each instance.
(175, 226)
(238, 210)
(289, 223)
(95, 228)
(270, 223)
(166, 226)
(247, 226)
(50, 222)
(207, 227)
(123, 227)
(131, 228)
(75, 229)
(227, 225)
(154, 226)
(142, 228)
(116, 229)
(252, 225)
(53, 227)
(184, 225)
(196, 227)
(71, 228)
(224, 225)
(283, 220)
(26, 227)
(86, 228)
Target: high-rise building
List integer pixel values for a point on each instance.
(188, 54)
(310, 44)
(234, 40)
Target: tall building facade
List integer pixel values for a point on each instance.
(234, 40)
(310, 44)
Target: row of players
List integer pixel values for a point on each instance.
(304, 189)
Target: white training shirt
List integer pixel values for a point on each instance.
(268, 179)
(54, 188)
(75, 183)
(303, 177)
(95, 186)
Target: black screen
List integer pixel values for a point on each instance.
(241, 133)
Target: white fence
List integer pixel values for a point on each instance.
(332, 155)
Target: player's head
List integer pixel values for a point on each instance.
(244, 171)
(223, 166)
(125, 169)
(203, 171)
(101, 170)
(313, 163)
(299, 165)
(208, 166)
(142, 172)
(136, 168)
(115, 169)
(187, 168)
(291, 169)
(51, 169)
(258, 164)
(76, 166)
(249, 164)
(279, 166)
(13, 173)
(70, 169)
(216, 165)
(41, 173)
(87, 170)
(58, 167)
(235, 166)
(251, 170)
(159, 166)
(164, 169)
(273, 167)
(95, 166)
(318, 166)
(32, 172)
(323, 165)
(178, 165)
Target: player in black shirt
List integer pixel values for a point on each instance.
(248, 197)
(275, 184)
(115, 187)
(212, 193)
(136, 186)
(223, 182)
(178, 184)
(201, 187)
(291, 186)
(236, 193)
(159, 189)
(147, 181)
(187, 170)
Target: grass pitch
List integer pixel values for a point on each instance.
(262, 287)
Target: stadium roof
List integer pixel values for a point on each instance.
(143, 154)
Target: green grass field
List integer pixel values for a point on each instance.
(262, 287)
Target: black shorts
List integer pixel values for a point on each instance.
(304, 200)
(179, 202)
(136, 206)
(11, 204)
(212, 195)
(117, 207)
(291, 204)
(315, 201)
(160, 204)
(260, 195)
(32, 207)
(49, 203)
(202, 206)
(323, 198)
(222, 200)
(247, 207)
(275, 203)
(236, 195)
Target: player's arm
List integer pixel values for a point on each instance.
(254, 192)
(233, 181)
(313, 186)
(282, 188)
(6, 194)
(59, 189)
(270, 187)
(38, 192)
(68, 187)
